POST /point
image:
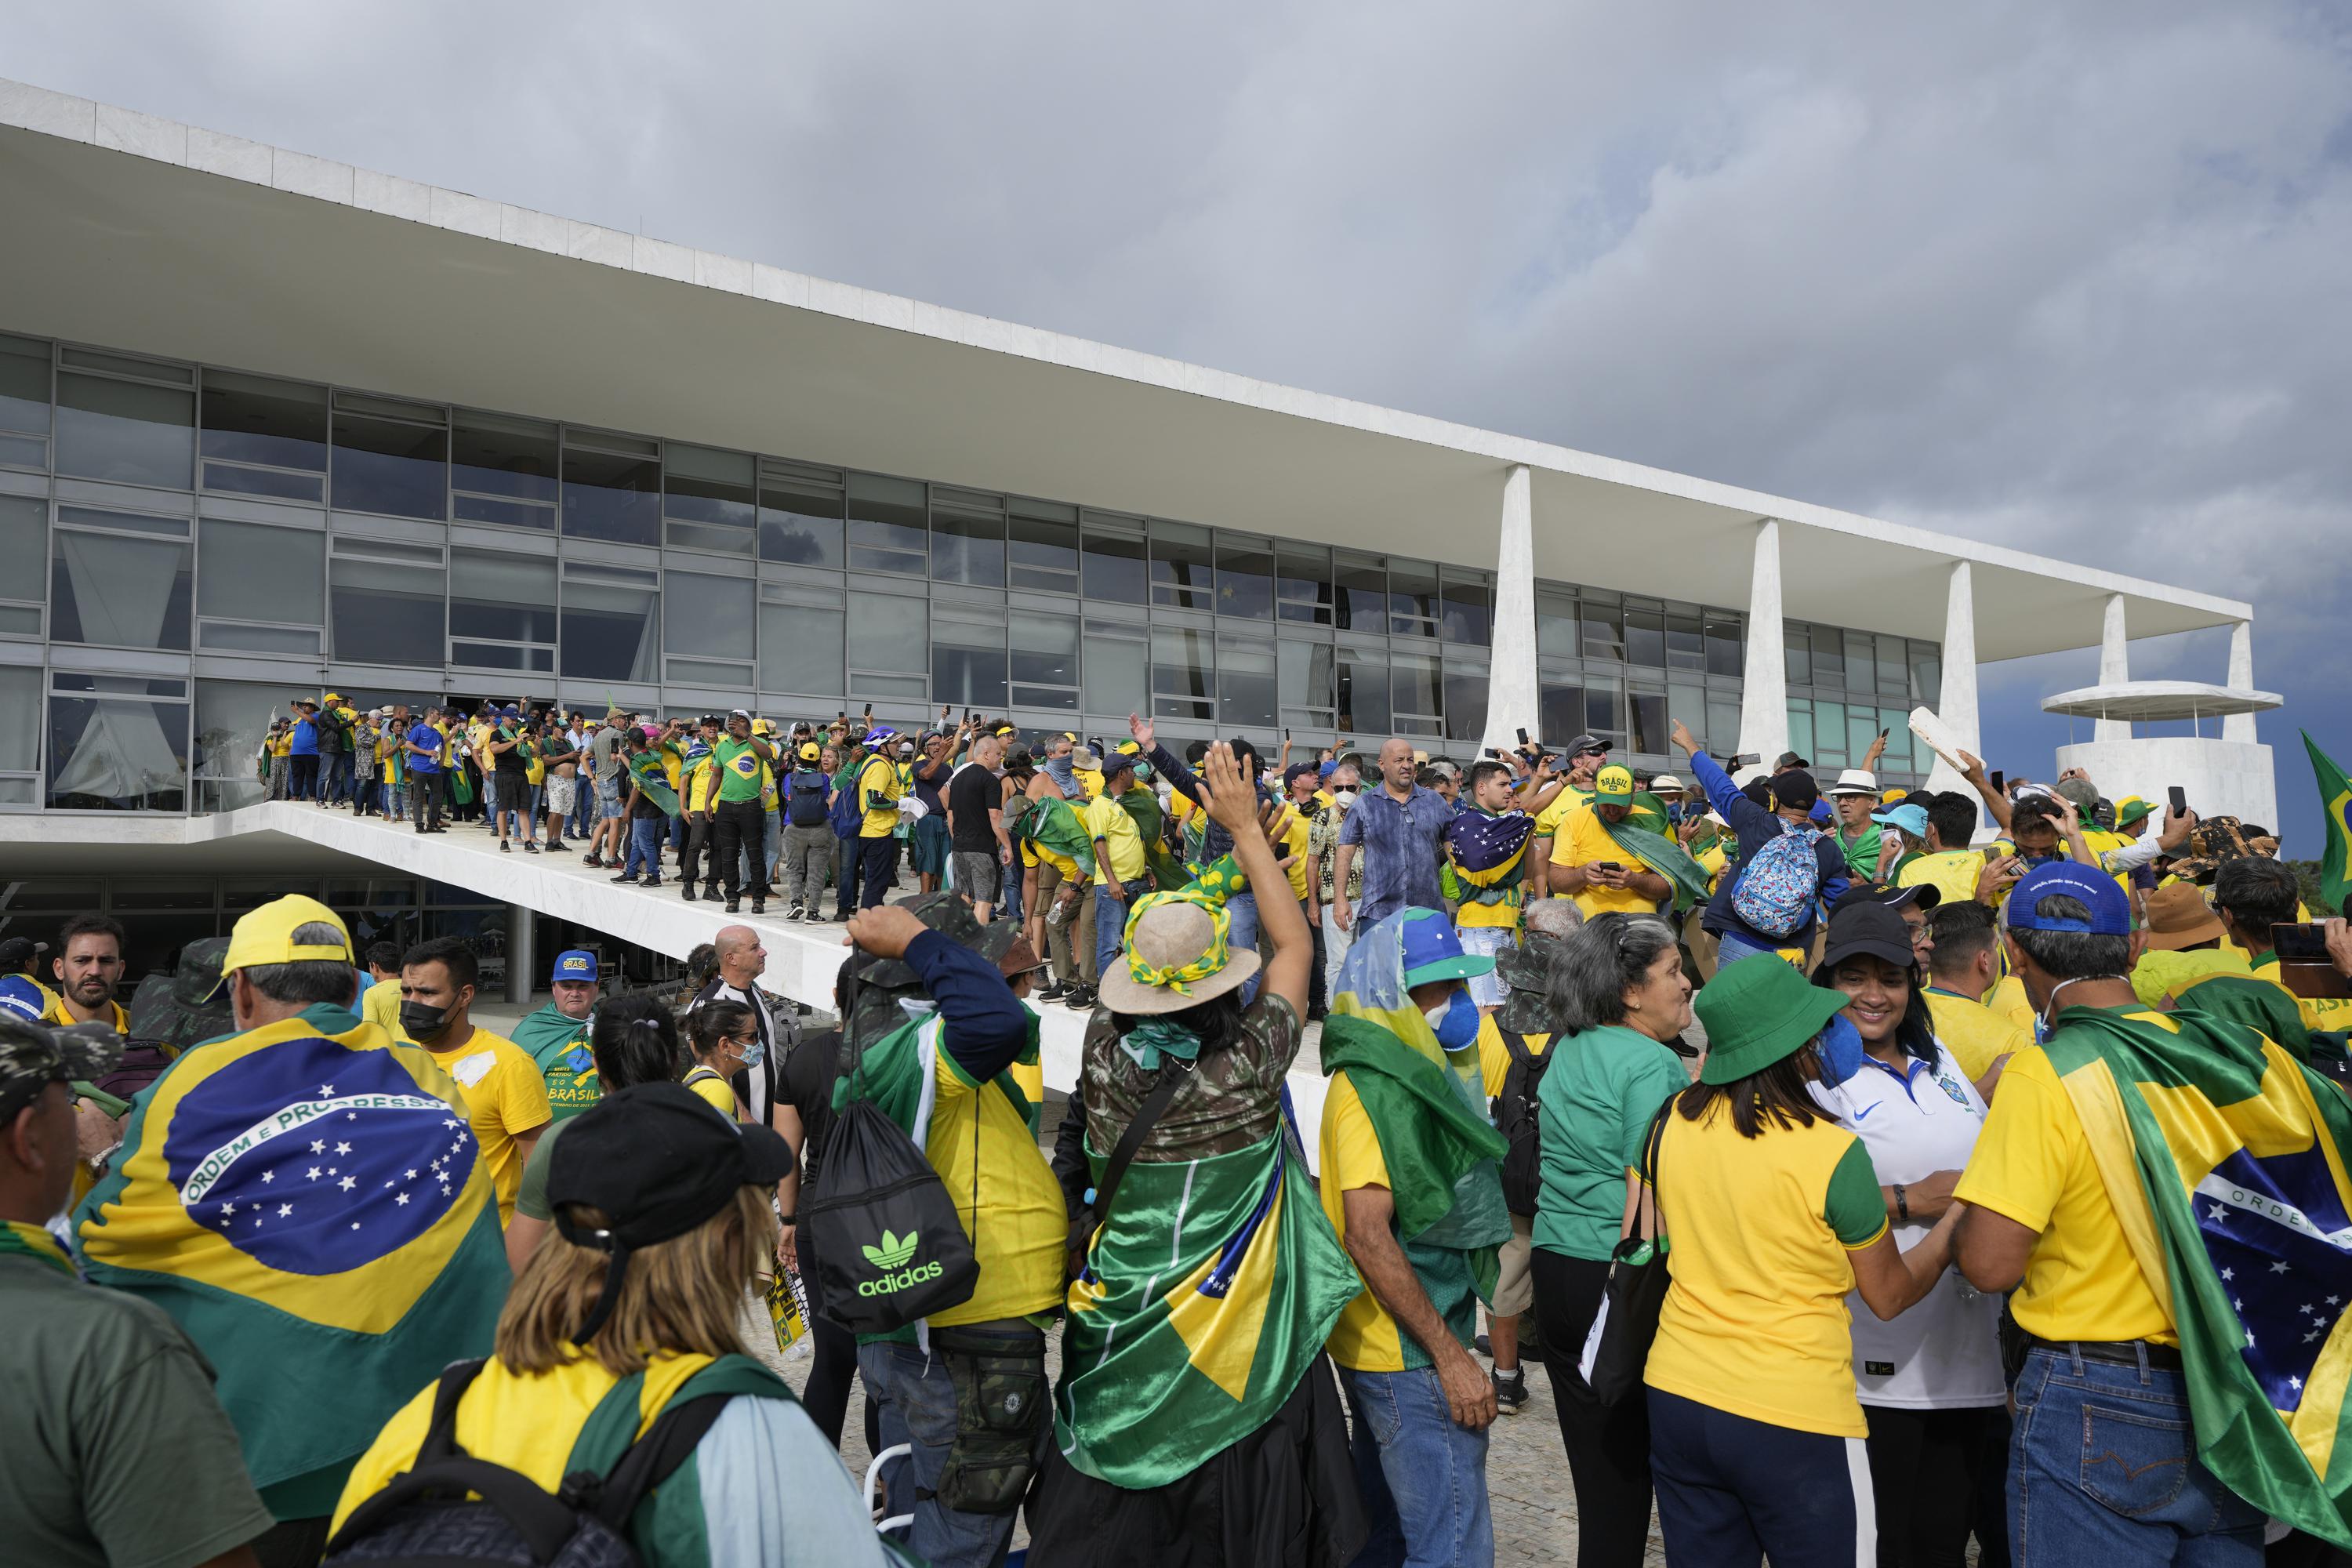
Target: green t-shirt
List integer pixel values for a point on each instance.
(531, 1197)
(1862, 853)
(1597, 1099)
(117, 1450)
(738, 766)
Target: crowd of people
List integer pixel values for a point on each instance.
(1870, 1182)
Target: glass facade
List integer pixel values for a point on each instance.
(214, 541)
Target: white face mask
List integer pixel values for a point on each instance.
(1343, 796)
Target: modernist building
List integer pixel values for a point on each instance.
(270, 424)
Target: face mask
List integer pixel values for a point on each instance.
(1343, 797)
(1455, 1023)
(1839, 1049)
(1143, 772)
(424, 1022)
(755, 1053)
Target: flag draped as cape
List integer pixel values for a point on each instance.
(2224, 1158)
(1661, 854)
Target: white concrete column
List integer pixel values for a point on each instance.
(1513, 698)
(2114, 670)
(2240, 726)
(1956, 704)
(1764, 685)
(523, 955)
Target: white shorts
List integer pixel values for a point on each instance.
(1488, 989)
(558, 795)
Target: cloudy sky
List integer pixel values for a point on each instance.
(2068, 277)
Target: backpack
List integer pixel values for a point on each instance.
(804, 798)
(1516, 1118)
(1777, 887)
(449, 1508)
(847, 814)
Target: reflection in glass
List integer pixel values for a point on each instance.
(708, 497)
(888, 632)
(1182, 664)
(967, 547)
(119, 591)
(1363, 690)
(126, 431)
(504, 471)
(501, 597)
(1044, 553)
(1412, 598)
(1466, 702)
(1245, 686)
(1244, 578)
(886, 529)
(117, 743)
(1307, 679)
(1116, 675)
(1115, 568)
(1927, 674)
(387, 612)
(612, 495)
(1180, 574)
(708, 616)
(1044, 650)
(1556, 628)
(800, 650)
(392, 466)
(1302, 583)
(968, 665)
(800, 524)
(1468, 613)
(23, 386)
(1414, 681)
(257, 419)
(1650, 728)
(608, 623)
(1359, 592)
(1645, 638)
(256, 573)
(1724, 654)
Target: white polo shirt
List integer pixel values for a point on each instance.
(1944, 1353)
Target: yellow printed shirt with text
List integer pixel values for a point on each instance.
(2319, 1012)
(1583, 841)
(1951, 872)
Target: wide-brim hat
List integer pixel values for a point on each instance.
(1759, 1011)
(1173, 934)
(2131, 809)
(2178, 917)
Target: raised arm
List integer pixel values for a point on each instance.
(1233, 804)
(1995, 802)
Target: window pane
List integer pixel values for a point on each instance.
(1245, 579)
(1897, 724)
(1645, 638)
(1359, 590)
(385, 612)
(1927, 674)
(1860, 730)
(126, 431)
(1650, 728)
(1044, 553)
(1303, 583)
(1306, 676)
(503, 597)
(800, 524)
(1604, 630)
(887, 530)
(1412, 598)
(1555, 631)
(121, 592)
(1687, 704)
(614, 496)
(1801, 729)
(1414, 681)
(1829, 662)
(888, 633)
(707, 616)
(1829, 733)
(392, 466)
(1183, 666)
(1364, 691)
(255, 574)
(1468, 613)
(1118, 679)
(1685, 643)
(1799, 652)
(24, 397)
(1115, 571)
(1723, 724)
(20, 717)
(1861, 662)
(800, 650)
(500, 456)
(967, 547)
(1723, 645)
(1563, 712)
(1604, 708)
(23, 523)
(1180, 574)
(608, 628)
(968, 665)
(254, 419)
(113, 747)
(1893, 676)
(1045, 648)
(706, 486)
(1465, 703)
(1245, 686)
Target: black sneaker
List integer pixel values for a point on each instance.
(687, 892)
(1054, 993)
(1483, 1347)
(628, 881)
(1080, 998)
(734, 906)
(759, 906)
(710, 891)
(1511, 1390)
(799, 913)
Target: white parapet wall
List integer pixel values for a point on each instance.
(2223, 778)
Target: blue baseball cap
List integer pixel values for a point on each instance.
(577, 965)
(1911, 819)
(1432, 950)
(2098, 892)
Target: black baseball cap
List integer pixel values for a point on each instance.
(1584, 743)
(1795, 789)
(1862, 926)
(659, 1161)
(18, 951)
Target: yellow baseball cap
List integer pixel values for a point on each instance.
(1613, 783)
(811, 750)
(266, 935)
(1889, 797)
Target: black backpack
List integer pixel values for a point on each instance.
(804, 801)
(449, 1508)
(1517, 1119)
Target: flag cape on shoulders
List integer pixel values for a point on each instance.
(1208, 1293)
(312, 1208)
(548, 1034)
(894, 1071)
(2259, 1001)
(1168, 873)
(1050, 825)
(2336, 804)
(1490, 852)
(647, 769)
(1663, 855)
(2224, 1159)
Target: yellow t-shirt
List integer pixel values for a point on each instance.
(2159, 974)
(715, 1091)
(1495, 1057)
(1106, 819)
(1713, 860)
(879, 777)
(283, 745)
(1583, 840)
(506, 1096)
(1294, 844)
(1548, 820)
(1975, 1035)
(1089, 782)
(380, 1005)
(2032, 1164)
(1951, 872)
(1005, 1195)
(2008, 998)
(1755, 1321)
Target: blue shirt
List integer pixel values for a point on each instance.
(306, 739)
(424, 735)
(1756, 827)
(1400, 840)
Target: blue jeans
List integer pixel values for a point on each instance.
(918, 1405)
(1240, 936)
(644, 848)
(1731, 947)
(1733, 1491)
(2102, 1468)
(1423, 1479)
(1110, 922)
(1009, 906)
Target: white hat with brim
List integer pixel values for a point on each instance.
(1855, 781)
(1170, 935)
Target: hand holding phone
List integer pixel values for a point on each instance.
(1996, 781)
(2179, 799)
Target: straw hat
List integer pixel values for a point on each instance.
(1178, 945)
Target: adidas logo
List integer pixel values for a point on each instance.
(892, 1253)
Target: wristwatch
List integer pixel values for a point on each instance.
(1902, 1205)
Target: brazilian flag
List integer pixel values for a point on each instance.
(646, 767)
(1050, 825)
(2224, 1159)
(1207, 1294)
(308, 1201)
(2336, 803)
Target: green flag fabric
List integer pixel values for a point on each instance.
(1050, 824)
(1208, 1292)
(2335, 804)
(1661, 854)
(647, 769)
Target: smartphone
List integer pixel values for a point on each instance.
(1996, 780)
(2304, 966)
(1744, 760)
(1286, 731)
(1523, 738)
(2304, 941)
(2180, 798)
(1889, 731)
(1607, 866)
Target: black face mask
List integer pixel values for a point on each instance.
(424, 1022)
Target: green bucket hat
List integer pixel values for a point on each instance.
(1758, 1012)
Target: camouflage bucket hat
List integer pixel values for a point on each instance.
(199, 973)
(1527, 1007)
(34, 1056)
